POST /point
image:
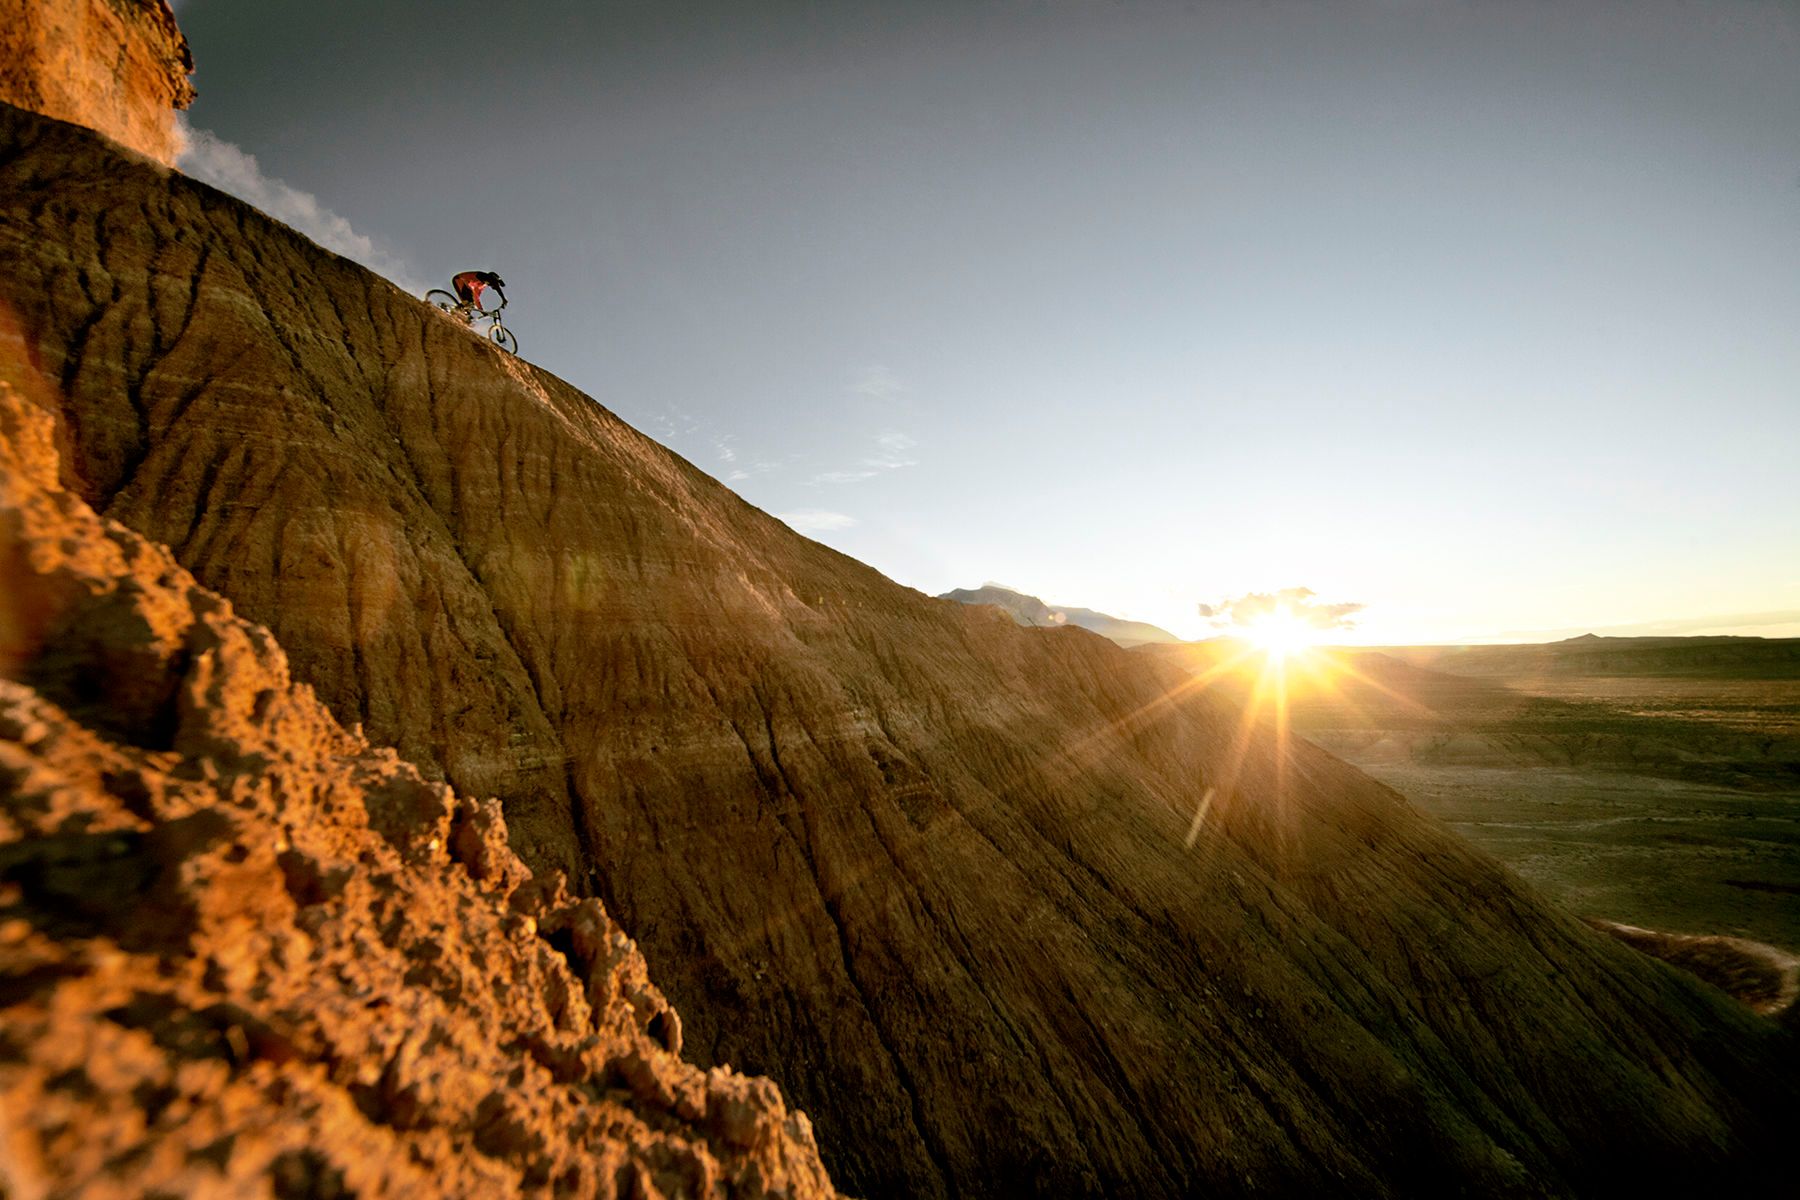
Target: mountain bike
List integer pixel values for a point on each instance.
(458, 307)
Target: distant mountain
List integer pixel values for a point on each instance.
(1029, 610)
(1588, 654)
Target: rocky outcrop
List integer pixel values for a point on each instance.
(1008, 911)
(118, 66)
(243, 952)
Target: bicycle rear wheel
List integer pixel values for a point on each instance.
(504, 339)
(442, 299)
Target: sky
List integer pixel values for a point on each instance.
(1480, 321)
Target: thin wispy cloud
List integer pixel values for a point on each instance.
(211, 159)
(877, 383)
(739, 468)
(672, 422)
(693, 435)
(849, 476)
(892, 452)
(815, 520)
(728, 454)
(1296, 603)
(878, 391)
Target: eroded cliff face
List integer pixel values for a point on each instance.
(938, 875)
(243, 952)
(117, 66)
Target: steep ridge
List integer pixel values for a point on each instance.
(1007, 911)
(242, 952)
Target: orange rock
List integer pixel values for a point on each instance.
(241, 955)
(117, 66)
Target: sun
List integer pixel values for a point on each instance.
(1281, 635)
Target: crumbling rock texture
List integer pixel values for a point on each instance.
(938, 875)
(242, 952)
(118, 66)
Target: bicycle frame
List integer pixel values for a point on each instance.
(497, 331)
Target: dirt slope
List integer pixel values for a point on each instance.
(940, 876)
(243, 952)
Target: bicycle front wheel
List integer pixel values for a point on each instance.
(504, 339)
(441, 299)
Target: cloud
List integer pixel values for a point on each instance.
(815, 520)
(673, 421)
(877, 383)
(1296, 603)
(737, 468)
(211, 159)
(892, 447)
(891, 454)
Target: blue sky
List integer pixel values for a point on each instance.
(1486, 317)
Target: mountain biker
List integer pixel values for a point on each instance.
(470, 284)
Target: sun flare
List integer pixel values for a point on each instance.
(1282, 635)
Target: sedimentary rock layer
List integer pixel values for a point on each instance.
(1008, 911)
(244, 952)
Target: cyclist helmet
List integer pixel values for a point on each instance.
(493, 280)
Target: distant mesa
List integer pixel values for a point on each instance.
(1029, 610)
(1592, 654)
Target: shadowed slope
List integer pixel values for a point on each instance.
(245, 953)
(928, 869)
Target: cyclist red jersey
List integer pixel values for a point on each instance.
(470, 284)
